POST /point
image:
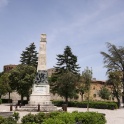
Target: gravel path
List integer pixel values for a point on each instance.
(112, 116)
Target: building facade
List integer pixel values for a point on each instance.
(7, 68)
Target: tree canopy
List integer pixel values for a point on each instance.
(114, 79)
(4, 84)
(29, 56)
(86, 79)
(67, 61)
(21, 79)
(104, 93)
(66, 85)
(114, 60)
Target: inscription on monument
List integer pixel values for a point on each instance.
(40, 89)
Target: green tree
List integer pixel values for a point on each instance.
(104, 93)
(81, 89)
(66, 84)
(115, 80)
(67, 61)
(29, 56)
(114, 60)
(4, 84)
(21, 79)
(86, 79)
(63, 81)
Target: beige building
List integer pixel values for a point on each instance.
(95, 87)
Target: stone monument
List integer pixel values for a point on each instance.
(40, 91)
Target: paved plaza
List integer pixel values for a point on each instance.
(112, 116)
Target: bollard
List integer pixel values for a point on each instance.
(16, 106)
(64, 107)
(38, 107)
(20, 105)
(10, 107)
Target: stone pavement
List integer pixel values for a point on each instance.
(112, 116)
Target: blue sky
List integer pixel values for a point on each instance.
(84, 25)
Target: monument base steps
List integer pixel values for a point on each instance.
(34, 108)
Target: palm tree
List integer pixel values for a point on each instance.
(114, 61)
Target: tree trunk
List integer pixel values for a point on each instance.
(9, 98)
(88, 98)
(118, 102)
(21, 99)
(82, 97)
(118, 98)
(66, 100)
(27, 97)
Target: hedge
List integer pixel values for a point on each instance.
(6, 100)
(92, 104)
(64, 118)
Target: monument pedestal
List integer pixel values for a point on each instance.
(40, 95)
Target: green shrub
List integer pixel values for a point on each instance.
(64, 118)
(6, 100)
(16, 116)
(9, 120)
(39, 117)
(53, 121)
(28, 119)
(92, 104)
(58, 103)
(2, 120)
(89, 118)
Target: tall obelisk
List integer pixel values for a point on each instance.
(42, 53)
(40, 91)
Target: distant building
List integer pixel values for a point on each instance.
(96, 86)
(50, 71)
(7, 68)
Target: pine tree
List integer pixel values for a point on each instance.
(29, 56)
(65, 79)
(67, 62)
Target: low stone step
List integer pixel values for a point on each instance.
(6, 114)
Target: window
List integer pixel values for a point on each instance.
(94, 95)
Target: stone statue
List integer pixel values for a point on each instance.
(41, 77)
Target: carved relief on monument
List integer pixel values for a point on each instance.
(41, 77)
